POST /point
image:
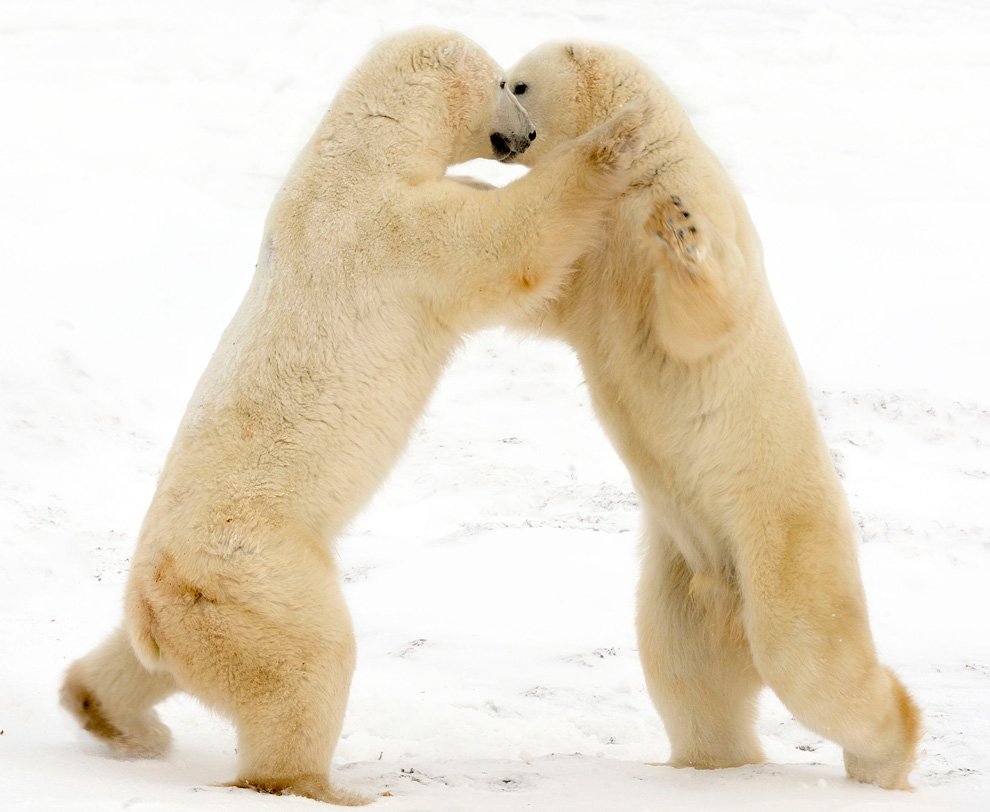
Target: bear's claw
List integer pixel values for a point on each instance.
(674, 225)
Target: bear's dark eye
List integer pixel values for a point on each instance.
(520, 88)
(502, 83)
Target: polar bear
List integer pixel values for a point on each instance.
(750, 573)
(372, 266)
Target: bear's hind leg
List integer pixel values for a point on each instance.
(112, 695)
(697, 663)
(288, 730)
(807, 625)
(278, 664)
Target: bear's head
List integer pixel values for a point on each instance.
(570, 88)
(445, 90)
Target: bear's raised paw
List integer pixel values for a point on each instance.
(682, 231)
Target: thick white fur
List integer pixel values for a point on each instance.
(371, 268)
(750, 574)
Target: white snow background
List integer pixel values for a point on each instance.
(492, 579)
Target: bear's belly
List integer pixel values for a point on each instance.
(668, 519)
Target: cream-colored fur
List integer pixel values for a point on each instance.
(750, 574)
(371, 268)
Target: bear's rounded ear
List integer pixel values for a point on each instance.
(577, 52)
(447, 54)
(450, 55)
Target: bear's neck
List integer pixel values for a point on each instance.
(384, 136)
(669, 129)
(667, 120)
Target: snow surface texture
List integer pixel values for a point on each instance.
(491, 581)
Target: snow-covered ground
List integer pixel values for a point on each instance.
(491, 580)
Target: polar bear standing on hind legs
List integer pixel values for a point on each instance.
(372, 267)
(750, 574)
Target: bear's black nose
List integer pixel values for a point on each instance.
(507, 147)
(532, 135)
(499, 144)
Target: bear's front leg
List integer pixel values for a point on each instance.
(508, 251)
(697, 279)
